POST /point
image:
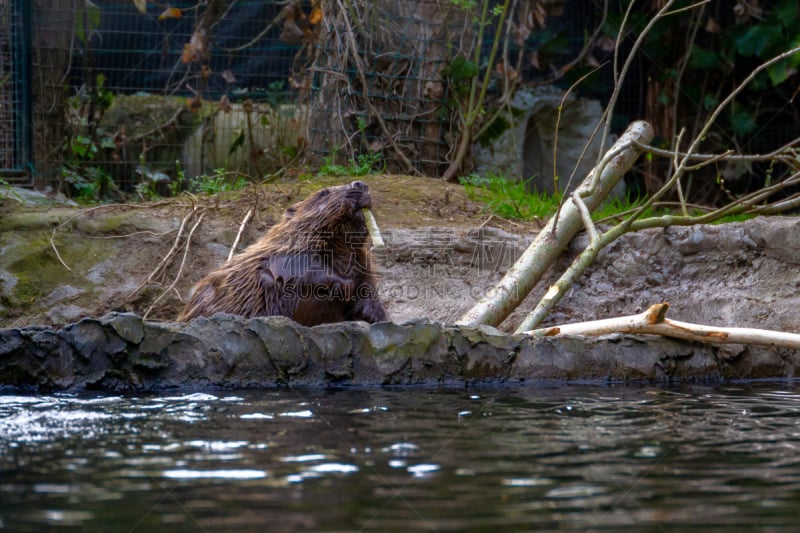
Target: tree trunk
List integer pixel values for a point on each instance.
(378, 85)
(54, 28)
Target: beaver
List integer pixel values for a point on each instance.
(313, 266)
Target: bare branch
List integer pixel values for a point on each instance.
(239, 233)
(654, 322)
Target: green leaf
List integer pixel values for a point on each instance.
(710, 102)
(779, 72)
(702, 58)
(462, 70)
(759, 39)
(494, 130)
(554, 44)
(742, 120)
(237, 143)
(107, 142)
(88, 22)
(786, 12)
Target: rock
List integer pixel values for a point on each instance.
(122, 352)
(525, 149)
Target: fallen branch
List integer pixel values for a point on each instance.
(554, 238)
(654, 322)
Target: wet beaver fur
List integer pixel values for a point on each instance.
(313, 266)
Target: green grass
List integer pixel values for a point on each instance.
(509, 198)
(360, 166)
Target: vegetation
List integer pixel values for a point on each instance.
(512, 199)
(361, 165)
(83, 174)
(683, 160)
(508, 198)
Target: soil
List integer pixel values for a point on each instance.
(443, 253)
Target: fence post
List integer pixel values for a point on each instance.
(21, 20)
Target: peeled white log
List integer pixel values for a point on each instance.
(372, 228)
(654, 322)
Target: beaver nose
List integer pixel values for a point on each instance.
(358, 185)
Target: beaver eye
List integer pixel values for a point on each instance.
(324, 192)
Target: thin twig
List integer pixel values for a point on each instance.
(678, 187)
(168, 257)
(586, 217)
(239, 234)
(70, 219)
(779, 153)
(180, 269)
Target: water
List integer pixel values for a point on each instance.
(485, 459)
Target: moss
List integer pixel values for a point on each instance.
(142, 113)
(111, 224)
(38, 270)
(32, 220)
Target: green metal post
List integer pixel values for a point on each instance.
(22, 31)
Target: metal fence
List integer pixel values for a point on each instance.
(15, 102)
(127, 98)
(104, 95)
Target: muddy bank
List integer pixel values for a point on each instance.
(442, 255)
(123, 352)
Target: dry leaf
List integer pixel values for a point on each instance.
(506, 71)
(533, 57)
(606, 43)
(539, 15)
(194, 103)
(315, 17)
(712, 26)
(228, 76)
(141, 5)
(225, 104)
(291, 32)
(299, 83)
(195, 49)
(744, 11)
(170, 13)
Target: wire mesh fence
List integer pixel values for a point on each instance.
(167, 93)
(161, 94)
(392, 74)
(15, 119)
(141, 95)
(8, 158)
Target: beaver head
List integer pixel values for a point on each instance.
(330, 213)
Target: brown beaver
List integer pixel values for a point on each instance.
(313, 266)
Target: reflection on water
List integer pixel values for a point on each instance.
(564, 458)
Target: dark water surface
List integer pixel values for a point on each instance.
(485, 459)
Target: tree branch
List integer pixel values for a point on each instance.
(654, 322)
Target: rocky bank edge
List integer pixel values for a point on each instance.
(123, 352)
